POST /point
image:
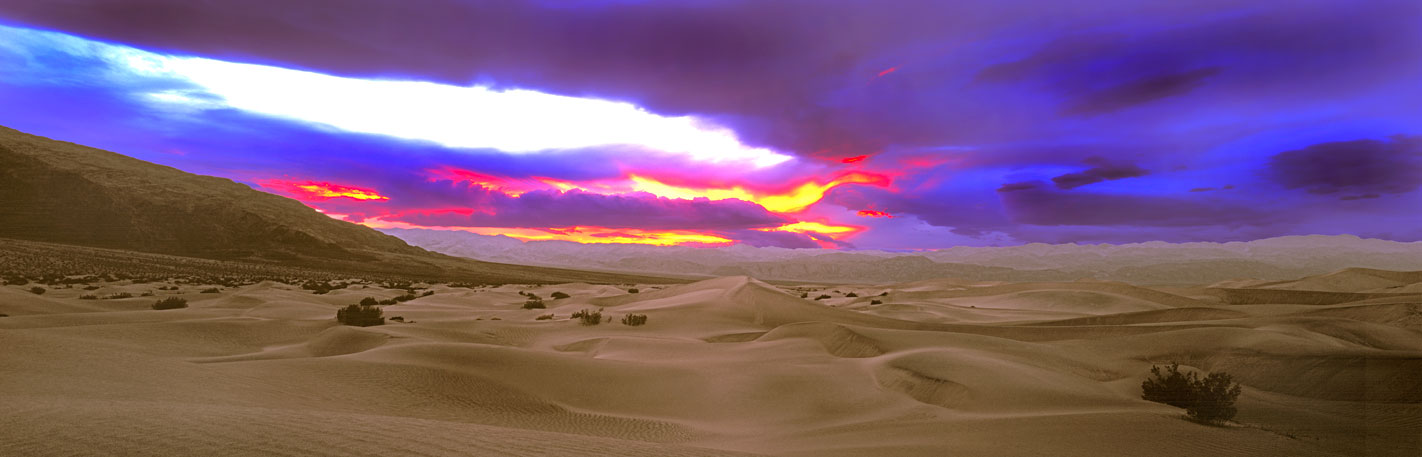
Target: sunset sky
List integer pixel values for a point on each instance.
(793, 123)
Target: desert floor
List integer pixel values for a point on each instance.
(729, 366)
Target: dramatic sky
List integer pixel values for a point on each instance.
(886, 124)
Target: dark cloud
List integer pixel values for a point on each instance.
(1043, 206)
(1138, 92)
(1016, 186)
(1101, 170)
(1366, 166)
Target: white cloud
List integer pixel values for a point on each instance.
(513, 121)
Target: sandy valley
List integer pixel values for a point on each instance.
(727, 366)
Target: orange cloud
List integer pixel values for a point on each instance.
(853, 159)
(815, 227)
(873, 213)
(314, 190)
(793, 201)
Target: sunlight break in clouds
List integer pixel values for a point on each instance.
(513, 121)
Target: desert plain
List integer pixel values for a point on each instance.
(1329, 365)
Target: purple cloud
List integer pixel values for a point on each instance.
(1365, 166)
(1101, 170)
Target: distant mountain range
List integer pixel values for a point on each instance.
(57, 192)
(1146, 263)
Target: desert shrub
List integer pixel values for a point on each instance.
(1207, 400)
(559, 295)
(875, 302)
(146, 294)
(804, 295)
(369, 301)
(322, 287)
(405, 298)
(534, 302)
(170, 303)
(1214, 398)
(427, 293)
(397, 318)
(91, 287)
(633, 290)
(851, 295)
(37, 290)
(211, 290)
(389, 302)
(543, 317)
(885, 294)
(1169, 386)
(360, 315)
(822, 297)
(634, 319)
(589, 317)
(119, 295)
(88, 297)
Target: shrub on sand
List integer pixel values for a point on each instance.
(1208, 400)
(360, 315)
(589, 317)
(634, 319)
(170, 303)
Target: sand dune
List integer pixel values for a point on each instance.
(727, 366)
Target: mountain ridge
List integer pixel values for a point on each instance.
(58, 192)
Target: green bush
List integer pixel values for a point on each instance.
(634, 319)
(170, 303)
(589, 317)
(1208, 400)
(559, 295)
(360, 315)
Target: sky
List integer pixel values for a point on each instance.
(869, 124)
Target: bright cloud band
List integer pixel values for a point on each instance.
(511, 121)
